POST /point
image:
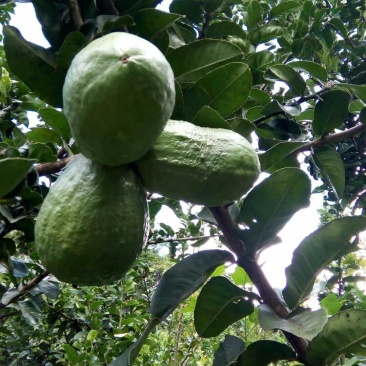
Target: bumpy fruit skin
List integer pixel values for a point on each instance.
(118, 95)
(92, 224)
(206, 166)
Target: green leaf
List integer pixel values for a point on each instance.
(72, 355)
(273, 158)
(307, 324)
(41, 74)
(41, 152)
(72, 44)
(92, 335)
(179, 103)
(14, 169)
(339, 25)
(254, 14)
(30, 313)
(43, 135)
(344, 333)
(240, 277)
(284, 8)
(225, 89)
(270, 205)
(190, 8)
(184, 278)
(208, 117)
(149, 23)
(191, 62)
(359, 90)
(331, 167)
(330, 111)
(265, 33)
(109, 23)
(315, 252)
(288, 75)
(129, 356)
(57, 121)
(312, 68)
(219, 305)
(50, 289)
(50, 19)
(229, 350)
(263, 353)
(225, 28)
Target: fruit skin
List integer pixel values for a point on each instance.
(206, 166)
(118, 94)
(92, 224)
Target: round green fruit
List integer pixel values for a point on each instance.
(118, 95)
(93, 223)
(206, 166)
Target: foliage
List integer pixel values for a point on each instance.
(302, 100)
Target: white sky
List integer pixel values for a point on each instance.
(274, 259)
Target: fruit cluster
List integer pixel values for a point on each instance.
(118, 96)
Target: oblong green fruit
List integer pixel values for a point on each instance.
(207, 166)
(93, 223)
(118, 95)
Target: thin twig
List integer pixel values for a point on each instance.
(26, 288)
(172, 240)
(75, 14)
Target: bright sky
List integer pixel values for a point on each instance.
(275, 259)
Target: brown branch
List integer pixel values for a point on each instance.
(159, 241)
(309, 97)
(254, 271)
(107, 7)
(52, 167)
(26, 288)
(75, 14)
(331, 139)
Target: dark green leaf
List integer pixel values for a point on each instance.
(225, 28)
(50, 19)
(208, 117)
(265, 33)
(229, 350)
(41, 152)
(196, 59)
(315, 252)
(338, 23)
(50, 289)
(190, 8)
(288, 75)
(72, 44)
(358, 90)
(330, 111)
(109, 23)
(343, 333)
(184, 278)
(270, 205)
(312, 68)
(242, 127)
(331, 167)
(44, 135)
(219, 305)
(284, 7)
(254, 14)
(307, 324)
(225, 89)
(179, 103)
(149, 23)
(57, 121)
(41, 74)
(263, 353)
(19, 268)
(273, 158)
(14, 169)
(30, 313)
(72, 355)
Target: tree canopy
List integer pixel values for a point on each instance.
(290, 76)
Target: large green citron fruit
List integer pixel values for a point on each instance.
(93, 223)
(206, 166)
(118, 95)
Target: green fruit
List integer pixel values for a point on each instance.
(118, 95)
(207, 166)
(92, 224)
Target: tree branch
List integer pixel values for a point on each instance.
(75, 14)
(331, 139)
(254, 271)
(159, 241)
(52, 167)
(26, 288)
